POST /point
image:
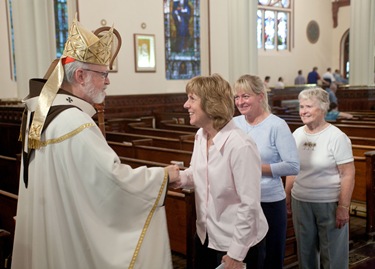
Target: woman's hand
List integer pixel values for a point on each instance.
(230, 263)
(342, 216)
(173, 173)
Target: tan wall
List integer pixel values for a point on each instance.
(127, 17)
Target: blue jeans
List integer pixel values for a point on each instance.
(276, 216)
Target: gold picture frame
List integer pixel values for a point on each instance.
(144, 51)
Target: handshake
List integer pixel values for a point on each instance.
(174, 175)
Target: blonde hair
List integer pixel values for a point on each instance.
(253, 84)
(216, 98)
(319, 94)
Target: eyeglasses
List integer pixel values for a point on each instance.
(103, 74)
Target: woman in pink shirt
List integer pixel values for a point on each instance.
(230, 221)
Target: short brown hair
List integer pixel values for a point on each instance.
(216, 98)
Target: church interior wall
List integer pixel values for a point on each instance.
(127, 17)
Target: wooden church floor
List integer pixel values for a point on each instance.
(361, 255)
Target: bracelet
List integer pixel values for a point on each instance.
(343, 206)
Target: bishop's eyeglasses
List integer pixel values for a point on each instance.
(103, 74)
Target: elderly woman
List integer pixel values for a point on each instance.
(279, 157)
(321, 192)
(230, 221)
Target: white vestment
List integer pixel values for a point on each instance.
(83, 209)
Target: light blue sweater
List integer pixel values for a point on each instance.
(277, 147)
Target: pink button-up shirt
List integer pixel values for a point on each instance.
(227, 191)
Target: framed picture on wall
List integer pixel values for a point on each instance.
(144, 51)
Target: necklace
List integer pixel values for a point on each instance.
(310, 144)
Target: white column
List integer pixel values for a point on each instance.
(362, 42)
(34, 40)
(243, 52)
(233, 50)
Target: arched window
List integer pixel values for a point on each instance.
(274, 24)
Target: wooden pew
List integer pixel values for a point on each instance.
(163, 155)
(290, 256)
(363, 114)
(9, 176)
(360, 150)
(140, 150)
(354, 122)
(187, 142)
(171, 125)
(184, 142)
(370, 193)
(359, 192)
(8, 202)
(121, 124)
(141, 129)
(182, 118)
(349, 130)
(358, 140)
(9, 144)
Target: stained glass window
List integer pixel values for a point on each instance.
(61, 29)
(182, 39)
(282, 30)
(274, 24)
(12, 54)
(61, 25)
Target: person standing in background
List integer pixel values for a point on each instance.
(300, 79)
(313, 77)
(279, 158)
(320, 195)
(225, 171)
(328, 77)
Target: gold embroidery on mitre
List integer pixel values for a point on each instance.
(85, 46)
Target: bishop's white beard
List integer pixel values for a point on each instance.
(95, 95)
(98, 98)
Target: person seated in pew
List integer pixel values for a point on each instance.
(279, 157)
(78, 205)
(280, 84)
(319, 196)
(333, 113)
(230, 222)
(332, 89)
(339, 78)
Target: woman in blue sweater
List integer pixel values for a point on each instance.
(279, 158)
